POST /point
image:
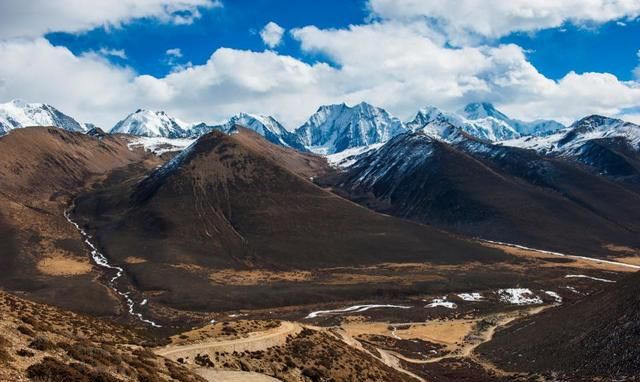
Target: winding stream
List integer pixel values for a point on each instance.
(102, 261)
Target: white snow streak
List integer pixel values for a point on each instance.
(353, 309)
(563, 255)
(102, 261)
(588, 277)
(555, 296)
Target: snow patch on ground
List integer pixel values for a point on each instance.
(353, 309)
(436, 302)
(588, 277)
(473, 296)
(518, 296)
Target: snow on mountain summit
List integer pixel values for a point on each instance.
(17, 114)
(146, 123)
(265, 125)
(481, 120)
(480, 111)
(335, 128)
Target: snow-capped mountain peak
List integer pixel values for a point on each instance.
(568, 140)
(481, 120)
(479, 110)
(437, 123)
(18, 113)
(265, 125)
(146, 123)
(335, 128)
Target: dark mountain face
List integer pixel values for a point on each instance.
(495, 192)
(595, 337)
(237, 201)
(41, 253)
(612, 157)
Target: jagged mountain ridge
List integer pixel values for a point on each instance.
(265, 125)
(610, 146)
(17, 114)
(335, 128)
(481, 120)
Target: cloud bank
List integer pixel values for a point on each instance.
(399, 61)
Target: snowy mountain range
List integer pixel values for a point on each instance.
(17, 114)
(345, 132)
(335, 128)
(571, 139)
(481, 120)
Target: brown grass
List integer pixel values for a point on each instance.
(60, 265)
(255, 277)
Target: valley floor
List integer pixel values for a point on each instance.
(424, 338)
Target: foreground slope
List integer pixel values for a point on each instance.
(237, 201)
(595, 337)
(41, 254)
(42, 343)
(499, 193)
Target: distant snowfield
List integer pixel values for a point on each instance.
(159, 145)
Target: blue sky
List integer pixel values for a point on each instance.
(205, 60)
(236, 25)
(611, 47)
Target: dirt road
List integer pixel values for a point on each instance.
(254, 342)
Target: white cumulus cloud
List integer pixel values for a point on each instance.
(398, 64)
(272, 34)
(174, 52)
(34, 18)
(462, 19)
(120, 53)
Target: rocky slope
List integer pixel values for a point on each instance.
(495, 192)
(596, 337)
(265, 125)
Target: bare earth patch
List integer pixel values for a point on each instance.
(135, 260)
(633, 260)
(623, 250)
(58, 265)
